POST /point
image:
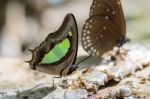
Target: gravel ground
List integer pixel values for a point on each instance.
(17, 74)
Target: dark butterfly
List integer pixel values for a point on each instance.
(57, 54)
(105, 28)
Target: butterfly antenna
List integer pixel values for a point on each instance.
(54, 85)
(27, 61)
(30, 50)
(84, 59)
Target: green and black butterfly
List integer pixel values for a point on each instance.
(57, 54)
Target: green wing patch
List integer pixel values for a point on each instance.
(58, 52)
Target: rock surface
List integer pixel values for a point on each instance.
(126, 77)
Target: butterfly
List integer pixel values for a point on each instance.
(105, 27)
(57, 53)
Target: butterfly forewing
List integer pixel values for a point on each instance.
(105, 26)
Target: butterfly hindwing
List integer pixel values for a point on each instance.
(104, 28)
(95, 36)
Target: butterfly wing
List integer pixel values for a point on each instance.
(104, 28)
(59, 50)
(110, 9)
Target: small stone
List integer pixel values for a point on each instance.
(142, 80)
(124, 92)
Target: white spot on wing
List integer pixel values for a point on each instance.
(88, 32)
(98, 5)
(83, 38)
(86, 26)
(91, 20)
(107, 10)
(84, 43)
(88, 41)
(104, 27)
(97, 54)
(113, 12)
(84, 34)
(85, 47)
(106, 17)
(87, 23)
(92, 48)
(89, 45)
(119, 2)
(90, 26)
(89, 52)
(101, 36)
(84, 30)
(88, 37)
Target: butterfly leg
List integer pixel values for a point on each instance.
(54, 81)
(61, 72)
(119, 55)
(64, 83)
(119, 49)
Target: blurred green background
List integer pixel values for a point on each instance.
(25, 23)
